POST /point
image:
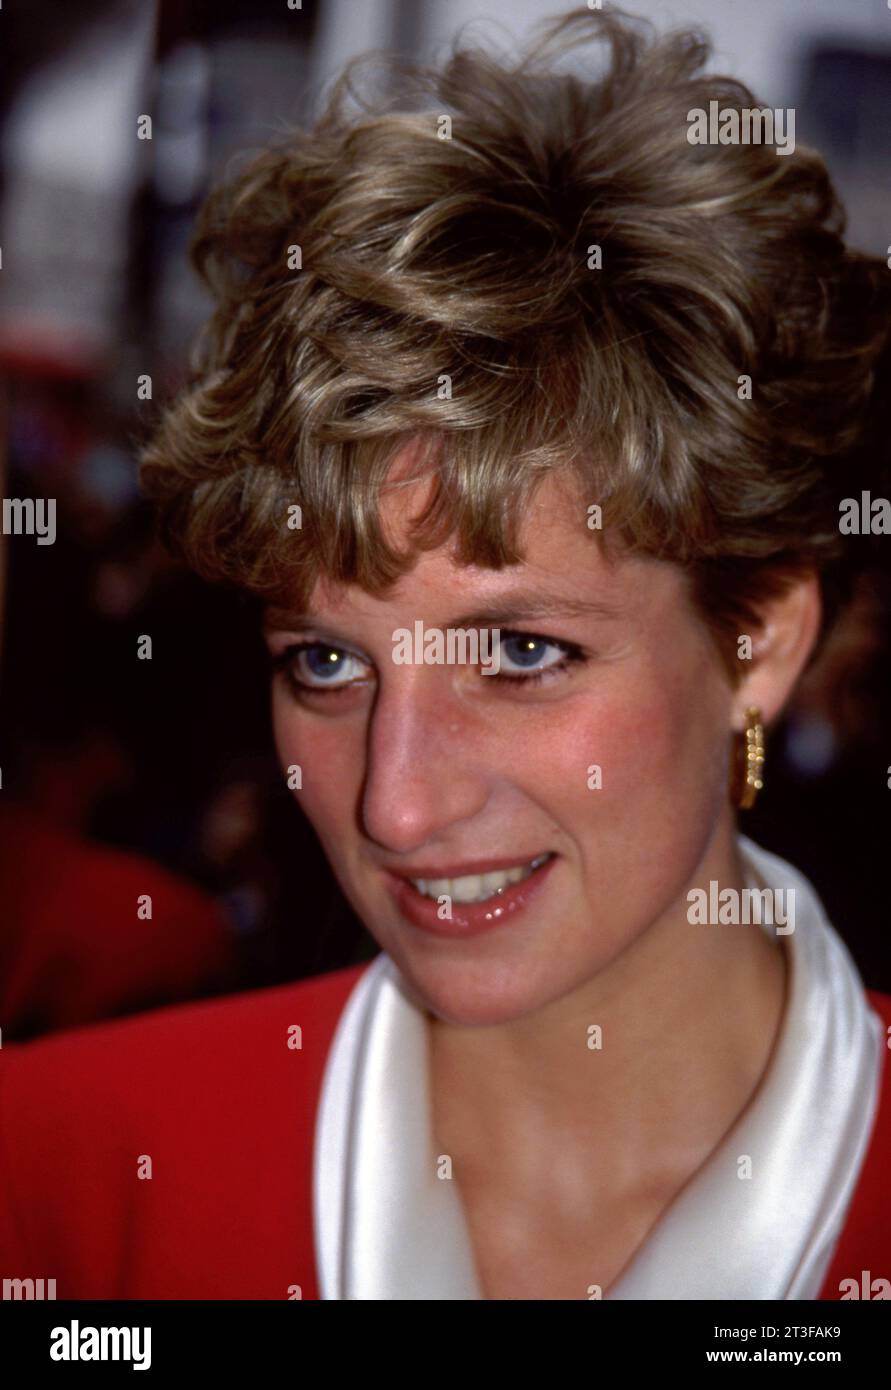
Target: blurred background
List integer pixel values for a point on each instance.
(125, 780)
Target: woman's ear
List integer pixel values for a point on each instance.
(781, 645)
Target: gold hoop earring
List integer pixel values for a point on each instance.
(749, 760)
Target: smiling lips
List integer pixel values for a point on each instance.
(484, 895)
(477, 888)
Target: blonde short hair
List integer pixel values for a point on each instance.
(468, 260)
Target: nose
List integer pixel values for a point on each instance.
(424, 772)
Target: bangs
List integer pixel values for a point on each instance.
(531, 273)
(335, 443)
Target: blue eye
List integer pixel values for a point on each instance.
(326, 662)
(526, 658)
(319, 666)
(522, 651)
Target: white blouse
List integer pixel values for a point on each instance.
(386, 1227)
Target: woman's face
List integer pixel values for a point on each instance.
(597, 754)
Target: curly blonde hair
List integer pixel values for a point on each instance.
(469, 260)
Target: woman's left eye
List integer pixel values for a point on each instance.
(523, 656)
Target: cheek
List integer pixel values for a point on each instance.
(661, 742)
(654, 738)
(329, 753)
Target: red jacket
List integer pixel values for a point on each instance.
(225, 1109)
(73, 950)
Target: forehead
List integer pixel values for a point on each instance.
(565, 567)
(556, 506)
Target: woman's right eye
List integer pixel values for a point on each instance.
(320, 666)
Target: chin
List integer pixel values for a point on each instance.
(479, 995)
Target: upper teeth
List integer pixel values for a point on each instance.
(476, 888)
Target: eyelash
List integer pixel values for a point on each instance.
(572, 655)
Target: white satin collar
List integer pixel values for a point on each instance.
(387, 1228)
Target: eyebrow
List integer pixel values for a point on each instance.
(512, 608)
(528, 606)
